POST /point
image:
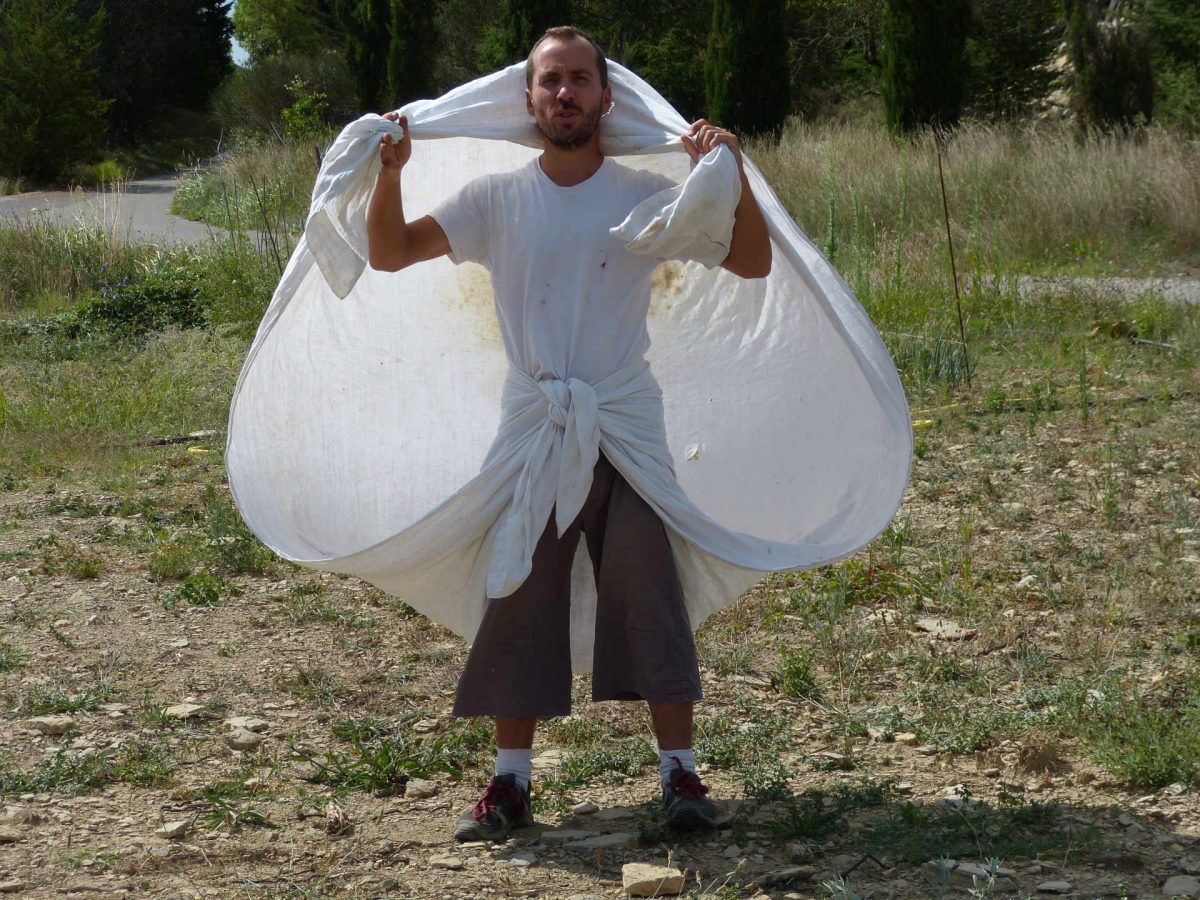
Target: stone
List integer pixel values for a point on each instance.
(906, 738)
(523, 860)
(420, 788)
(184, 711)
(614, 812)
(1176, 789)
(616, 841)
(926, 750)
(453, 863)
(964, 874)
(1027, 581)
(586, 808)
(11, 887)
(10, 835)
(58, 724)
(800, 853)
(250, 723)
(173, 831)
(791, 873)
(243, 739)
(1181, 886)
(1054, 887)
(645, 880)
(90, 886)
(584, 897)
(733, 851)
(945, 629)
(564, 835)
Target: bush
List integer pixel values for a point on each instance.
(167, 294)
(253, 100)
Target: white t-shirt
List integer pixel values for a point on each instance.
(571, 300)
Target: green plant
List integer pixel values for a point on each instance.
(796, 676)
(11, 658)
(231, 547)
(198, 589)
(136, 762)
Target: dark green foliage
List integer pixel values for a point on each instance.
(526, 20)
(1175, 25)
(746, 77)
(51, 114)
(1011, 43)
(833, 52)
(1114, 79)
(412, 51)
(137, 762)
(143, 42)
(924, 63)
(365, 27)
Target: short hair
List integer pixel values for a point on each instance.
(567, 32)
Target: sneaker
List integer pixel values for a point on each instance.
(503, 807)
(685, 803)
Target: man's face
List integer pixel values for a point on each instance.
(566, 99)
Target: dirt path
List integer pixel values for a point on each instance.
(140, 211)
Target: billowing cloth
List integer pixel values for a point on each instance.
(377, 428)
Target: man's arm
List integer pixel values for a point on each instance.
(392, 243)
(750, 249)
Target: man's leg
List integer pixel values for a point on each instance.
(519, 670)
(644, 647)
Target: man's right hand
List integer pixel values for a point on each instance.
(394, 154)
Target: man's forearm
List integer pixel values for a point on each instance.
(387, 232)
(750, 248)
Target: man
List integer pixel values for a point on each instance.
(572, 303)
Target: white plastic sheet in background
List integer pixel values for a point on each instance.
(360, 423)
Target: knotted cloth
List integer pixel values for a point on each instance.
(377, 428)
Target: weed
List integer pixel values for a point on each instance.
(137, 762)
(11, 658)
(172, 560)
(41, 701)
(199, 589)
(309, 602)
(314, 685)
(796, 676)
(231, 547)
(622, 758)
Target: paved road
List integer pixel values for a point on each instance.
(140, 212)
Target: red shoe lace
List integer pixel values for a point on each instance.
(684, 784)
(491, 799)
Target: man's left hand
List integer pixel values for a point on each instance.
(704, 136)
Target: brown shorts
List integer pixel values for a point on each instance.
(520, 663)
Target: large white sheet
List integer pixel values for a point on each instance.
(369, 401)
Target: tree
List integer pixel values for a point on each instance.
(1008, 53)
(365, 26)
(143, 40)
(1110, 52)
(924, 64)
(746, 76)
(412, 50)
(268, 28)
(50, 112)
(1175, 29)
(526, 20)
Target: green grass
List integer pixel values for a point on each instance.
(11, 657)
(41, 701)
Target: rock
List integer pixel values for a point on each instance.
(420, 788)
(184, 711)
(945, 630)
(586, 808)
(453, 863)
(906, 738)
(173, 831)
(584, 897)
(250, 723)
(10, 834)
(964, 874)
(791, 873)
(614, 812)
(336, 820)
(926, 750)
(800, 853)
(523, 860)
(58, 724)
(243, 739)
(1181, 886)
(549, 760)
(615, 841)
(88, 886)
(733, 851)
(11, 887)
(1177, 789)
(1027, 581)
(564, 835)
(645, 880)
(1054, 887)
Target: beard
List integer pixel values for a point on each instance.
(569, 136)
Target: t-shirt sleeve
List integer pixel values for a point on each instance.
(464, 218)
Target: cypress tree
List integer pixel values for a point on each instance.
(746, 77)
(526, 20)
(1114, 78)
(411, 51)
(366, 25)
(924, 63)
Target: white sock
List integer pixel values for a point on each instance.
(667, 762)
(516, 762)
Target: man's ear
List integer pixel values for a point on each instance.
(607, 102)
(528, 101)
